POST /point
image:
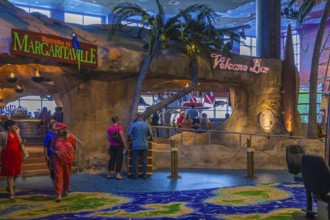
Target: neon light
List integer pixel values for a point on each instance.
(225, 63)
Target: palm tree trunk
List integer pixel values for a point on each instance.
(142, 75)
(176, 96)
(312, 131)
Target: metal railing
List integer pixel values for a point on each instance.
(215, 137)
(80, 156)
(239, 142)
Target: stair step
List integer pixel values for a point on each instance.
(30, 160)
(36, 154)
(40, 172)
(34, 166)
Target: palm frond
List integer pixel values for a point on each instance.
(160, 8)
(305, 8)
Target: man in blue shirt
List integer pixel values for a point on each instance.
(139, 133)
(193, 113)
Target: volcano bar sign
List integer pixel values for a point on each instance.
(50, 47)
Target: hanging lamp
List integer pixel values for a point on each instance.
(37, 78)
(12, 78)
(19, 88)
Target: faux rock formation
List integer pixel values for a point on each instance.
(90, 96)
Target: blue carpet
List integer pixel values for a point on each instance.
(262, 201)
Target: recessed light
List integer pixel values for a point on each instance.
(173, 2)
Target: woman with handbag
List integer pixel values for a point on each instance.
(11, 154)
(116, 138)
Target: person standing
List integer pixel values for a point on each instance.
(193, 114)
(118, 146)
(58, 114)
(63, 149)
(139, 133)
(205, 123)
(167, 120)
(154, 122)
(47, 145)
(180, 119)
(10, 154)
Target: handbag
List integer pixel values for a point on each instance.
(25, 152)
(116, 137)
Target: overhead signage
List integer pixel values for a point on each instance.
(50, 47)
(225, 63)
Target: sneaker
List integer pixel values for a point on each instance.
(119, 177)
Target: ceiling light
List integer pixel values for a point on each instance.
(173, 2)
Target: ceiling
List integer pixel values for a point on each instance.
(230, 12)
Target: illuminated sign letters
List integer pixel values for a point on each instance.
(49, 47)
(225, 63)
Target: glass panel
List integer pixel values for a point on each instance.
(245, 50)
(32, 103)
(92, 20)
(73, 18)
(254, 51)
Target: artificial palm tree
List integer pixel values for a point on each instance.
(161, 30)
(191, 28)
(199, 38)
(304, 9)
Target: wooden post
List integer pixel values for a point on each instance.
(174, 160)
(250, 160)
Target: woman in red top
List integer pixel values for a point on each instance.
(11, 157)
(63, 148)
(115, 136)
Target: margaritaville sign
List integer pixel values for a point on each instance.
(50, 47)
(225, 63)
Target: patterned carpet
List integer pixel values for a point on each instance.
(259, 202)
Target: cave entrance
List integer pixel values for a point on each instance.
(32, 114)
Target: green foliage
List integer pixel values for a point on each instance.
(254, 193)
(192, 28)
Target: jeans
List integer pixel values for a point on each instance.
(135, 158)
(116, 158)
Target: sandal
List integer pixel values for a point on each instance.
(58, 199)
(109, 177)
(65, 194)
(11, 196)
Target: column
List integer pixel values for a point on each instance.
(268, 28)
